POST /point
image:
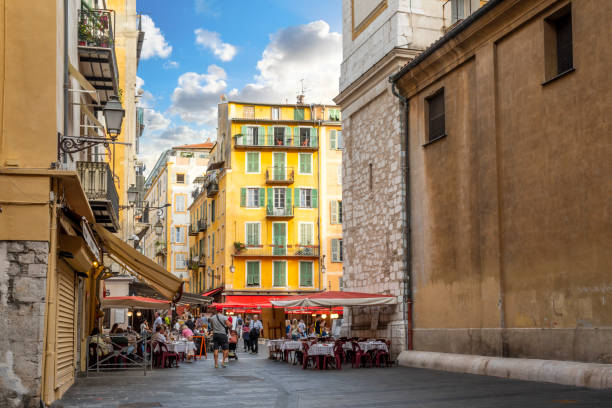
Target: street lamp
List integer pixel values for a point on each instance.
(159, 228)
(132, 194)
(113, 116)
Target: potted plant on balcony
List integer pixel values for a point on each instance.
(239, 246)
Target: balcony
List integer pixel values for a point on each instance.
(160, 249)
(279, 175)
(97, 60)
(298, 251)
(212, 188)
(97, 181)
(193, 229)
(276, 142)
(201, 260)
(202, 225)
(284, 212)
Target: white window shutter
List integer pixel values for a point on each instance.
(334, 211)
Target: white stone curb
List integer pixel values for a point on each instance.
(577, 374)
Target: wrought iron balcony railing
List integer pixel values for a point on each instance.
(305, 251)
(306, 142)
(279, 175)
(202, 225)
(193, 229)
(283, 212)
(96, 28)
(212, 189)
(97, 181)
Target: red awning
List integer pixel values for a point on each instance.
(138, 302)
(252, 300)
(335, 298)
(213, 291)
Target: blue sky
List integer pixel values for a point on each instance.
(257, 50)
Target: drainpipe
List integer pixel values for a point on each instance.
(407, 304)
(66, 74)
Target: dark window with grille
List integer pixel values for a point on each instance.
(436, 116)
(563, 29)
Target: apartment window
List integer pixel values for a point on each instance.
(336, 211)
(249, 112)
(252, 135)
(340, 140)
(298, 114)
(180, 178)
(253, 273)
(305, 134)
(252, 162)
(178, 235)
(340, 283)
(280, 195)
(305, 163)
(179, 203)
(457, 10)
(212, 210)
(305, 233)
(179, 261)
(559, 43)
(279, 136)
(334, 114)
(306, 197)
(275, 113)
(279, 274)
(336, 250)
(252, 197)
(435, 116)
(253, 233)
(306, 274)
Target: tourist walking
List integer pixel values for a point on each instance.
(256, 329)
(219, 325)
(157, 322)
(246, 338)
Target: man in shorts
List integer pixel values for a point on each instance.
(219, 325)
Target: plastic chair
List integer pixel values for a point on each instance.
(168, 355)
(360, 356)
(306, 358)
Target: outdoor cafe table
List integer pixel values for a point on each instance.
(181, 346)
(367, 346)
(321, 349)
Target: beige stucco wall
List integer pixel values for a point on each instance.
(511, 216)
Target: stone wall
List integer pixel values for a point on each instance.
(23, 272)
(374, 219)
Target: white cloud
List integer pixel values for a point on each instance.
(155, 120)
(310, 52)
(153, 144)
(196, 96)
(170, 64)
(208, 7)
(155, 44)
(212, 41)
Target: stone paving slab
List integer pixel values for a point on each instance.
(275, 384)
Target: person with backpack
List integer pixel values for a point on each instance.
(246, 335)
(256, 330)
(219, 324)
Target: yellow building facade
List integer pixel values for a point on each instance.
(259, 209)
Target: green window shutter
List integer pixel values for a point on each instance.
(298, 114)
(270, 136)
(243, 197)
(306, 274)
(262, 197)
(340, 141)
(252, 162)
(313, 137)
(332, 139)
(270, 198)
(314, 198)
(256, 234)
(297, 197)
(287, 136)
(334, 212)
(261, 135)
(288, 199)
(279, 274)
(334, 250)
(296, 136)
(307, 163)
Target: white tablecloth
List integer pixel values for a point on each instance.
(347, 346)
(318, 349)
(291, 345)
(373, 345)
(181, 346)
(275, 344)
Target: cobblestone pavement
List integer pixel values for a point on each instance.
(254, 381)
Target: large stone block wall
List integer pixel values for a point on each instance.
(23, 272)
(374, 219)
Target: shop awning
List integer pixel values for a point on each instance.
(335, 298)
(250, 301)
(213, 291)
(168, 285)
(192, 299)
(138, 302)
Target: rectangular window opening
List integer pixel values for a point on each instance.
(436, 119)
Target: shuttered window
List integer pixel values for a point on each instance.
(333, 139)
(305, 163)
(253, 233)
(298, 114)
(306, 273)
(279, 238)
(336, 211)
(336, 250)
(279, 278)
(252, 278)
(340, 142)
(306, 233)
(252, 162)
(179, 202)
(436, 116)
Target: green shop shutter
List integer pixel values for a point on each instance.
(332, 139)
(270, 199)
(297, 197)
(314, 198)
(262, 197)
(243, 197)
(313, 137)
